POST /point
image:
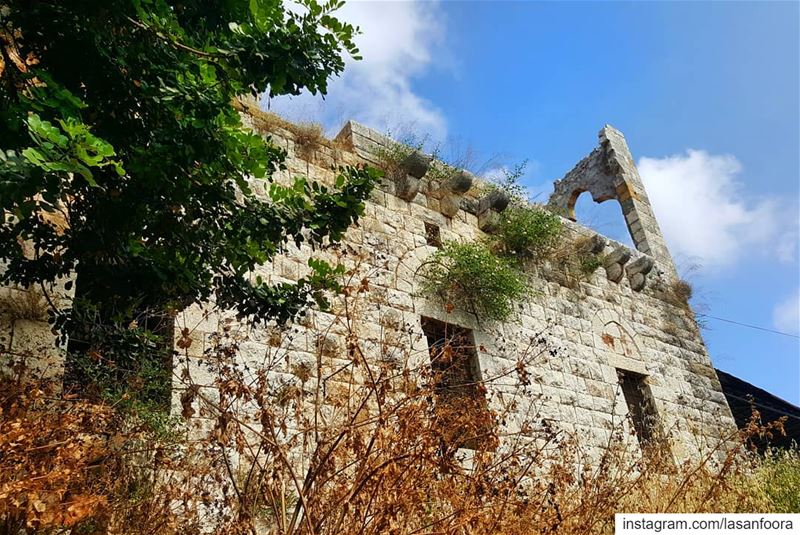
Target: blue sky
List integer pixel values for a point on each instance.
(707, 94)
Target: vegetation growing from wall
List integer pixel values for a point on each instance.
(396, 157)
(526, 233)
(508, 180)
(572, 261)
(470, 276)
(526, 236)
(308, 136)
(679, 292)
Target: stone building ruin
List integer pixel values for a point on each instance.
(629, 352)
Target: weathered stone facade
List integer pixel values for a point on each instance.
(620, 319)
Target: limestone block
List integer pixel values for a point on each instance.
(329, 346)
(599, 389)
(449, 205)
(494, 200)
(619, 255)
(35, 343)
(469, 205)
(637, 282)
(614, 272)
(460, 182)
(488, 220)
(416, 164)
(420, 199)
(641, 265)
(194, 345)
(584, 416)
(596, 244)
(253, 352)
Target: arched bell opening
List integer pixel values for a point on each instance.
(607, 218)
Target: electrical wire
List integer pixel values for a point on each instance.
(747, 325)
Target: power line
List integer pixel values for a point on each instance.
(747, 325)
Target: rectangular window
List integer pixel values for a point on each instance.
(461, 402)
(433, 235)
(640, 404)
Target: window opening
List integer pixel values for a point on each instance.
(461, 402)
(640, 404)
(433, 235)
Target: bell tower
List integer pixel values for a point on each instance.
(609, 172)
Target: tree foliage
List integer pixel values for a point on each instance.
(123, 159)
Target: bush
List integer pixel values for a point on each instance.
(571, 261)
(375, 451)
(393, 156)
(471, 276)
(779, 477)
(76, 466)
(526, 232)
(682, 292)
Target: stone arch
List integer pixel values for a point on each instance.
(620, 340)
(609, 172)
(577, 192)
(633, 398)
(607, 218)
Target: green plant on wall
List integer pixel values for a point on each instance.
(572, 260)
(526, 232)
(509, 182)
(470, 276)
(589, 262)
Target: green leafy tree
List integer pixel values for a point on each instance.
(122, 158)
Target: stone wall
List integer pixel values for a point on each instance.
(624, 317)
(26, 337)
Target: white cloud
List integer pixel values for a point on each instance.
(786, 315)
(705, 214)
(786, 246)
(399, 41)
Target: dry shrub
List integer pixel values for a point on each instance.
(679, 292)
(28, 304)
(308, 136)
(367, 442)
(44, 456)
(676, 292)
(376, 449)
(69, 465)
(571, 261)
(361, 438)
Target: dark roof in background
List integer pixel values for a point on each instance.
(743, 398)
